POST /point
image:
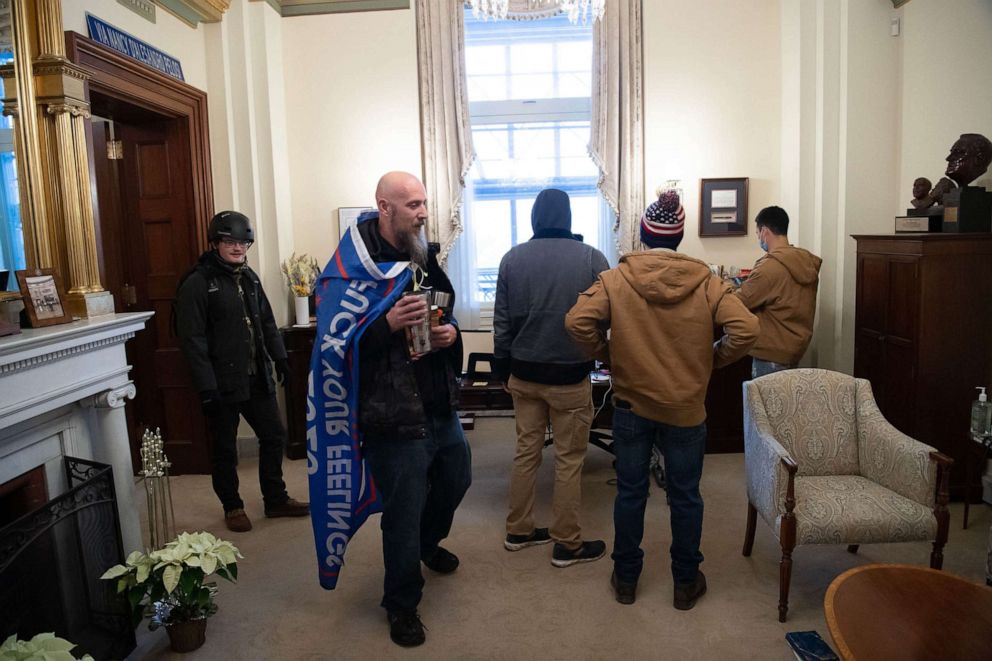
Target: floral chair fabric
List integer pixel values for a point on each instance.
(855, 478)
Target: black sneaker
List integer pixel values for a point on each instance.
(442, 561)
(589, 551)
(405, 628)
(517, 542)
(625, 593)
(686, 594)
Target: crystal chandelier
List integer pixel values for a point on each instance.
(575, 9)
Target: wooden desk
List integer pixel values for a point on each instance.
(906, 612)
(724, 404)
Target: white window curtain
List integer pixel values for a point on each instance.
(446, 132)
(617, 132)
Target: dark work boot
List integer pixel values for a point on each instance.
(686, 594)
(237, 521)
(405, 628)
(291, 507)
(442, 561)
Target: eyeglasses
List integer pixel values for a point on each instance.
(230, 243)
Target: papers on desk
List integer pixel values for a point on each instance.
(480, 384)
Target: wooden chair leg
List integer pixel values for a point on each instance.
(787, 536)
(852, 548)
(752, 518)
(940, 512)
(784, 578)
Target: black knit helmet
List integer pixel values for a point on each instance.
(230, 225)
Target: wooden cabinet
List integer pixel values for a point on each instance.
(923, 335)
(299, 345)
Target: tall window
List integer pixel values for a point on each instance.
(529, 85)
(11, 233)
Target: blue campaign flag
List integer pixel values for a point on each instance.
(352, 292)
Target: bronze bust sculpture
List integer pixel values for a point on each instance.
(969, 158)
(921, 188)
(936, 194)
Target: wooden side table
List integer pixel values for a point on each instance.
(983, 451)
(299, 346)
(905, 612)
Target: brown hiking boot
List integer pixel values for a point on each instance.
(291, 507)
(237, 521)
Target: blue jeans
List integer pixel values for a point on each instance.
(683, 449)
(422, 481)
(761, 367)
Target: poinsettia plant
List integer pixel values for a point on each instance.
(43, 647)
(169, 583)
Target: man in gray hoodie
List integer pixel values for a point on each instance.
(547, 374)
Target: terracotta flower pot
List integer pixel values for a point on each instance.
(187, 636)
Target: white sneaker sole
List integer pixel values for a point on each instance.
(510, 546)
(575, 561)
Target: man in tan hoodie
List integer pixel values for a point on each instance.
(781, 291)
(661, 308)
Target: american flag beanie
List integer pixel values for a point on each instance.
(663, 222)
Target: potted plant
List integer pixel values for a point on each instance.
(168, 584)
(43, 647)
(301, 275)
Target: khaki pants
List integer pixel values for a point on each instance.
(569, 409)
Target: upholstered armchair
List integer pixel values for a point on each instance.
(824, 467)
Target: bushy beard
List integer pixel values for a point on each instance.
(415, 245)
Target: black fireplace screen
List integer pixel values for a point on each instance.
(51, 561)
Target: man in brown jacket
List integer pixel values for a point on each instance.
(661, 308)
(781, 291)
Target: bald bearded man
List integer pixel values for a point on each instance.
(411, 437)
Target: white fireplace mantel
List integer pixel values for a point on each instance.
(62, 391)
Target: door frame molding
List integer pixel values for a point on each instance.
(122, 78)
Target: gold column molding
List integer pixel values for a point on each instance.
(56, 79)
(194, 12)
(61, 114)
(51, 42)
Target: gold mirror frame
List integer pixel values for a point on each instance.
(26, 152)
(50, 109)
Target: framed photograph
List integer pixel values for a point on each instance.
(723, 207)
(44, 297)
(347, 217)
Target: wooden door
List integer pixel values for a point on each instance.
(886, 334)
(148, 241)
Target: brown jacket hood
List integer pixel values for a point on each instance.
(661, 308)
(663, 276)
(781, 291)
(802, 265)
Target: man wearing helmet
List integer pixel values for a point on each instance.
(229, 337)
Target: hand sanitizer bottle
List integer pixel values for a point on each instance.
(981, 415)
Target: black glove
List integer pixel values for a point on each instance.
(282, 370)
(211, 403)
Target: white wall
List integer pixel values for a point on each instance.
(712, 108)
(872, 79)
(352, 114)
(168, 33)
(805, 97)
(948, 87)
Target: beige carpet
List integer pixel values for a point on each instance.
(502, 605)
